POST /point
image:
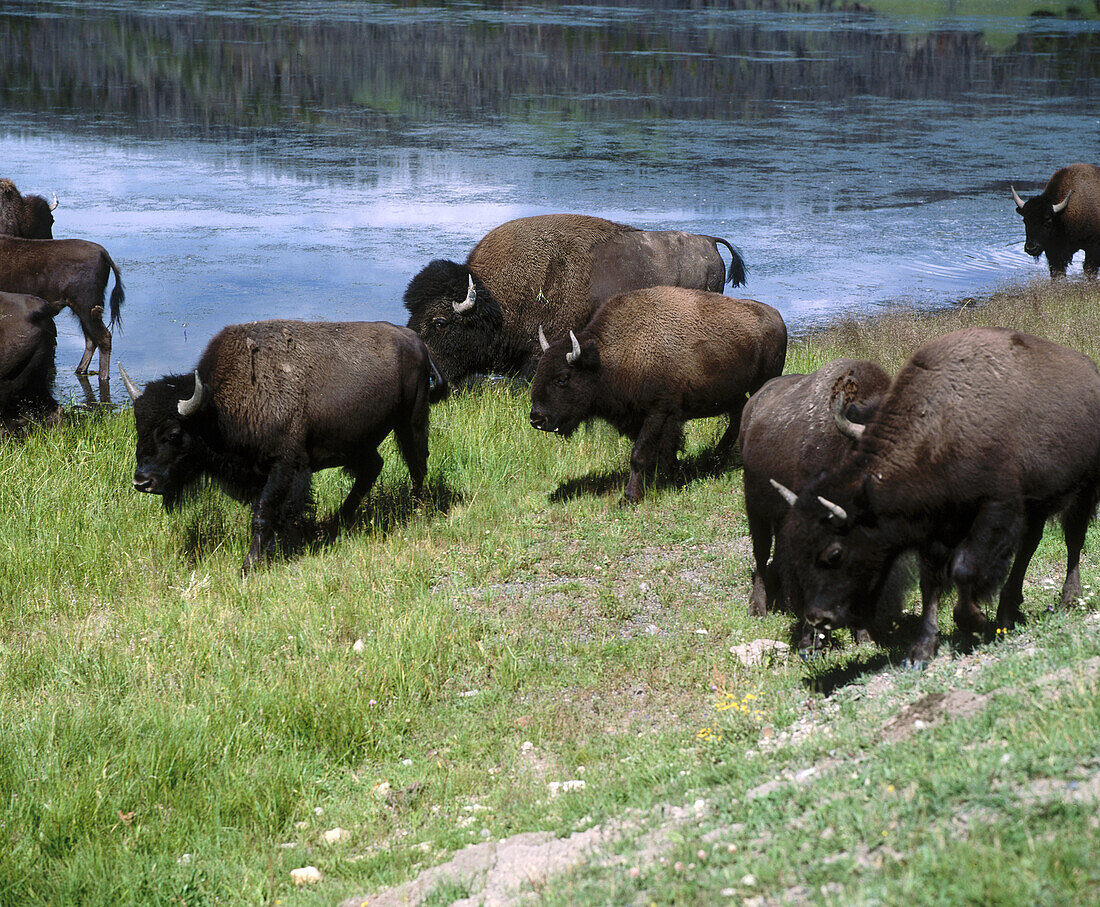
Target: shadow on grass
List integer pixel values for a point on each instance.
(707, 464)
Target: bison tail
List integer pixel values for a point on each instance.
(438, 388)
(118, 294)
(737, 271)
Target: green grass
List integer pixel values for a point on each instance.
(174, 733)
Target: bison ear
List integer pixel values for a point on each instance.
(589, 358)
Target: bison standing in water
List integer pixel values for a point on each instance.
(28, 216)
(984, 434)
(28, 339)
(1064, 219)
(652, 359)
(272, 402)
(789, 435)
(551, 270)
(73, 272)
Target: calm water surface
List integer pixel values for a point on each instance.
(254, 160)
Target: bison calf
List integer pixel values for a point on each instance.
(72, 272)
(1064, 219)
(28, 339)
(652, 359)
(28, 216)
(272, 402)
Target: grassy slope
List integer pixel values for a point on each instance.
(172, 731)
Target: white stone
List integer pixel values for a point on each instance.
(335, 835)
(307, 875)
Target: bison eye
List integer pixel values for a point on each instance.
(440, 324)
(832, 555)
(562, 380)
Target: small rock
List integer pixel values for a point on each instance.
(335, 835)
(359, 647)
(563, 787)
(307, 875)
(759, 651)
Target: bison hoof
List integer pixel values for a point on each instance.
(923, 651)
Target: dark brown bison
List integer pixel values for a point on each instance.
(551, 270)
(983, 435)
(1064, 219)
(28, 216)
(28, 339)
(70, 271)
(272, 402)
(789, 435)
(650, 360)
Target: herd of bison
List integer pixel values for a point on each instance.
(851, 477)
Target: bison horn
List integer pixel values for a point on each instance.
(468, 302)
(847, 427)
(1061, 206)
(835, 509)
(192, 406)
(131, 388)
(570, 358)
(542, 340)
(1016, 198)
(789, 496)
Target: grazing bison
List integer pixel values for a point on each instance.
(789, 435)
(650, 360)
(1064, 218)
(983, 435)
(28, 216)
(28, 339)
(551, 270)
(272, 402)
(70, 271)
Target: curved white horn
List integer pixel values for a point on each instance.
(835, 509)
(852, 429)
(192, 406)
(54, 205)
(1016, 198)
(789, 496)
(131, 388)
(468, 302)
(570, 358)
(1061, 206)
(542, 340)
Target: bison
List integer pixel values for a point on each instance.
(1064, 219)
(272, 402)
(28, 216)
(650, 360)
(69, 271)
(28, 339)
(982, 436)
(551, 270)
(789, 435)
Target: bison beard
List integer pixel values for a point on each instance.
(983, 435)
(273, 402)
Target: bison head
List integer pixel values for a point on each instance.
(1042, 219)
(564, 387)
(169, 453)
(26, 216)
(456, 317)
(834, 557)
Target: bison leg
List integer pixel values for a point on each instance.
(1012, 595)
(1075, 525)
(282, 502)
(1092, 262)
(365, 477)
(660, 431)
(729, 437)
(981, 561)
(761, 534)
(924, 649)
(412, 443)
(96, 336)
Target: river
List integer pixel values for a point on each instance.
(247, 160)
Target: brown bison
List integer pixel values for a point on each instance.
(650, 360)
(73, 272)
(28, 216)
(28, 339)
(789, 435)
(1064, 219)
(272, 402)
(551, 270)
(983, 435)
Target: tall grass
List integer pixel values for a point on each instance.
(173, 733)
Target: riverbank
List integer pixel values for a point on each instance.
(520, 655)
